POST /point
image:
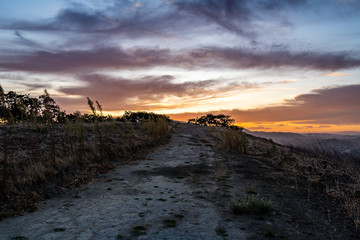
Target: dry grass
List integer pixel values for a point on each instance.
(312, 173)
(235, 140)
(75, 156)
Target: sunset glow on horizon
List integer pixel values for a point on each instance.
(289, 66)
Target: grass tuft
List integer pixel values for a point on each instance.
(236, 140)
(170, 222)
(250, 205)
(139, 230)
(221, 231)
(269, 232)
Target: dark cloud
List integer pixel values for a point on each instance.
(25, 41)
(276, 4)
(212, 57)
(116, 20)
(230, 14)
(37, 86)
(44, 61)
(241, 58)
(79, 20)
(238, 16)
(161, 19)
(337, 105)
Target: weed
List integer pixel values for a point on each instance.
(219, 171)
(19, 238)
(278, 193)
(250, 205)
(251, 190)
(59, 229)
(195, 178)
(139, 230)
(221, 231)
(179, 215)
(169, 222)
(7, 214)
(269, 232)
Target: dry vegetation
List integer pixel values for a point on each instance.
(37, 156)
(314, 174)
(41, 157)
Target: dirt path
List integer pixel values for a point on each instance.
(153, 194)
(181, 191)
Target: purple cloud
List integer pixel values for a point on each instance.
(211, 57)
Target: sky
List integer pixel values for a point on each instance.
(273, 65)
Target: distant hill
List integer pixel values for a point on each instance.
(344, 143)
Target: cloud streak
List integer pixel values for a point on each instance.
(210, 57)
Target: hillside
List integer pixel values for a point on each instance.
(193, 188)
(342, 143)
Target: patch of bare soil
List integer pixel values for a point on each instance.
(183, 190)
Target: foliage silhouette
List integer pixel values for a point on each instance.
(219, 120)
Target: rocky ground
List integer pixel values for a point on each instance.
(182, 190)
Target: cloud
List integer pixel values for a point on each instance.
(142, 93)
(159, 18)
(336, 74)
(242, 58)
(232, 15)
(37, 86)
(210, 57)
(151, 92)
(118, 19)
(25, 41)
(337, 105)
(45, 61)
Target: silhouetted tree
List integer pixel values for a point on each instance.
(143, 116)
(219, 120)
(21, 107)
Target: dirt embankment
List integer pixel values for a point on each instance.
(183, 190)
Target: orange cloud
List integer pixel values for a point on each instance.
(336, 74)
(324, 110)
